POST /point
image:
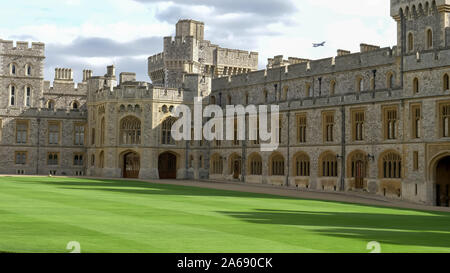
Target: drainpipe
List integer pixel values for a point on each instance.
(374, 72)
(288, 145)
(343, 159)
(403, 45)
(320, 87)
(38, 145)
(187, 161)
(244, 160)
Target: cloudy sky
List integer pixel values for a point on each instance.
(91, 34)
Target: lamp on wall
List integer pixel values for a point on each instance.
(370, 157)
(339, 157)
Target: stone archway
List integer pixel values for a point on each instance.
(235, 166)
(167, 166)
(442, 185)
(131, 165)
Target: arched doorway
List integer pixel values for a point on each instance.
(236, 166)
(443, 182)
(359, 174)
(167, 166)
(131, 165)
(357, 168)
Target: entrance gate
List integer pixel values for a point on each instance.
(167, 166)
(131, 165)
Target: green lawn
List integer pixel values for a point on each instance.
(40, 214)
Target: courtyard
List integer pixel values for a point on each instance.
(44, 214)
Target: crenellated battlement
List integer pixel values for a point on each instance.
(144, 91)
(156, 62)
(414, 7)
(279, 61)
(308, 68)
(157, 58)
(63, 83)
(179, 40)
(44, 113)
(236, 53)
(22, 48)
(237, 58)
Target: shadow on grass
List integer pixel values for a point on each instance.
(138, 187)
(415, 230)
(429, 230)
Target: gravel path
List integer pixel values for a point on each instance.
(349, 197)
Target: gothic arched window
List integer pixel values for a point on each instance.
(12, 69)
(27, 96)
(359, 84)
(390, 80)
(302, 165)
(416, 85)
(166, 131)
(329, 165)
(255, 164)
(359, 165)
(410, 42)
(28, 70)
(277, 165)
(216, 164)
(429, 38)
(51, 104)
(392, 165)
(446, 82)
(130, 131)
(12, 95)
(332, 87)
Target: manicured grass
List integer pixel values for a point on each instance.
(40, 214)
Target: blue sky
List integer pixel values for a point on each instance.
(92, 34)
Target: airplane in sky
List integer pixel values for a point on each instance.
(321, 44)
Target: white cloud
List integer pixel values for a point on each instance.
(372, 8)
(343, 24)
(73, 2)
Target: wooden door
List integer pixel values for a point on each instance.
(359, 175)
(236, 169)
(167, 166)
(131, 166)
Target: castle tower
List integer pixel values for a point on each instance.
(21, 74)
(421, 24)
(189, 53)
(192, 28)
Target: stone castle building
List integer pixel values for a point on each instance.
(377, 120)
